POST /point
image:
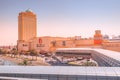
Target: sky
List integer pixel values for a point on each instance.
(61, 18)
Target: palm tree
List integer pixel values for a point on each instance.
(8, 53)
(33, 53)
(27, 53)
(14, 52)
(1, 51)
(21, 53)
(36, 54)
(5, 52)
(25, 62)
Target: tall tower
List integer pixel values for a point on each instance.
(97, 37)
(26, 26)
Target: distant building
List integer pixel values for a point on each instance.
(26, 25)
(77, 37)
(26, 29)
(106, 37)
(98, 38)
(112, 45)
(116, 37)
(28, 40)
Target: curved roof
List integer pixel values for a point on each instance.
(28, 10)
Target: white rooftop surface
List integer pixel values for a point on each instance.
(112, 54)
(13, 78)
(61, 70)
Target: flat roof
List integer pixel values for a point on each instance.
(61, 70)
(14, 78)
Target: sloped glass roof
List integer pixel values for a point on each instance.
(112, 54)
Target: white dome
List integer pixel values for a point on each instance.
(28, 10)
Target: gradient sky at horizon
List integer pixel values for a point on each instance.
(61, 17)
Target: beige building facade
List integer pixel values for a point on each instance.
(27, 25)
(27, 29)
(112, 45)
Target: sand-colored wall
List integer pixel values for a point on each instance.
(27, 26)
(84, 42)
(115, 46)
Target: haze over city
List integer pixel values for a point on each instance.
(61, 18)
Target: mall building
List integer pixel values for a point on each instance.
(28, 40)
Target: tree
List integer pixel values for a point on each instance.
(21, 53)
(88, 63)
(27, 53)
(25, 62)
(33, 53)
(14, 52)
(4, 52)
(1, 51)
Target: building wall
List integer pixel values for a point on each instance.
(26, 26)
(64, 43)
(44, 43)
(26, 30)
(41, 46)
(98, 38)
(60, 42)
(115, 46)
(84, 43)
(23, 46)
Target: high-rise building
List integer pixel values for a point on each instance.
(26, 25)
(27, 29)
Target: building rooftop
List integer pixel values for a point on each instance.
(111, 54)
(14, 78)
(61, 70)
(29, 10)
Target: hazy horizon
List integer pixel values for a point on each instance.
(64, 18)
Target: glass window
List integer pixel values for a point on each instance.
(42, 76)
(101, 77)
(91, 77)
(72, 78)
(11, 75)
(19, 75)
(62, 77)
(27, 76)
(35, 75)
(52, 77)
(113, 78)
(81, 77)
